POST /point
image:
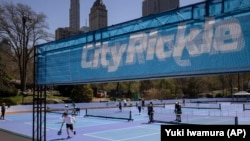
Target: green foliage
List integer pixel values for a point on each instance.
(130, 87)
(87, 94)
(10, 100)
(6, 88)
(110, 86)
(82, 93)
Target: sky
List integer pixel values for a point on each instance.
(57, 11)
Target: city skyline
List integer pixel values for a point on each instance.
(58, 15)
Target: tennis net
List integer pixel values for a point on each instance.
(202, 106)
(196, 119)
(72, 111)
(246, 106)
(112, 113)
(195, 116)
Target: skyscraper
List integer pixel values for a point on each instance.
(157, 6)
(74, 22)
(74, 16)
(98, 17)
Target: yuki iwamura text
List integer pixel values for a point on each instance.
(206, 133)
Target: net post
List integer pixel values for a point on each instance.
(86, 111)
(244, 107)
(130, 115)
(236, 120)
(220, 106)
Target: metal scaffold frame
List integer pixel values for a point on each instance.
(39, 114)
(39, 109)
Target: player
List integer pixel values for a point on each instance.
(142, 104)
(139, 106)
(69, 120)
(3, 109)
(120, 105)
(150, 112)
(178, 111)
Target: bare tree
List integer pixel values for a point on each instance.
(24, 29)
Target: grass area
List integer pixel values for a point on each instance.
(28, 99)
(51, 98)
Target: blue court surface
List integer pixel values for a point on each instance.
(138, 129)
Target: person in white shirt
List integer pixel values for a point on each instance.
(66, 108)
(69, 120)
(139, 106)
(125, 102)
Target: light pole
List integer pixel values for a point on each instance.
(23, 51)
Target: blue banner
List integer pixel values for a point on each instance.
(212, 46)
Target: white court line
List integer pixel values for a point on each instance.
(120, 129)
(99, 137)
(139, 136)
(117, 129)
(223, 120)
(147, 127)
(30, 123)
(82, 121)
(122, 139)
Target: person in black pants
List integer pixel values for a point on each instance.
(139, 105)
(178, 111)
(120, 105)
(142, 103)
(69, 120)
(3, 109)
(150, 112)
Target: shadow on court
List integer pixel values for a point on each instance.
(8, 136)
